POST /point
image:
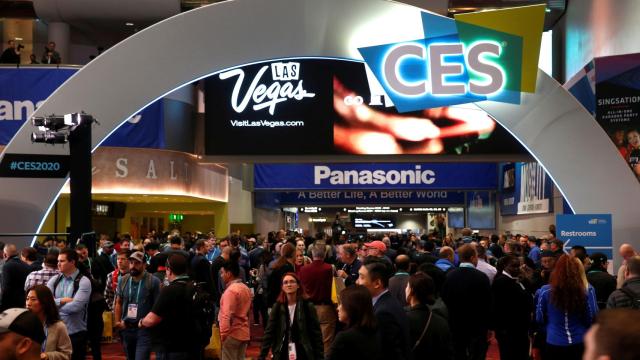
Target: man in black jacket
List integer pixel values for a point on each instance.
(200, 266)
(629, 294)
(11, 55)
(466, 290)
(603, 282)
(512, 309)
(393, 325)
(14, 275)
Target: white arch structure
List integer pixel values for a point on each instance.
(559, 133)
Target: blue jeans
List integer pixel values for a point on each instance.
(136, 343)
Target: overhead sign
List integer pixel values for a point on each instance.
(593, 231)
(34, 166)
(490, 55)
(375, 176)
(267, 199)
(329, 106)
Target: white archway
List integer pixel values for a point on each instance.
(550, 123)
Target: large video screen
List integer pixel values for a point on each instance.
(328, 106)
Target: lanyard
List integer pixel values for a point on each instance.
(138, 291)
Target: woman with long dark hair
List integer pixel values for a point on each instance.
(57, 345)
(566, 308)
(430, 335)
(358, 340)
(284, 264)
(293, 326)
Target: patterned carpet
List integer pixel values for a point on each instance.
(113, 351)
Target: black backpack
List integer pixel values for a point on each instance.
(76, 284)
(635, 298)
(201, 305)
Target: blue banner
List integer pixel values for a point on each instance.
(594, 232)
(402, 197)
(582, 86)
(425, 176)
(23, 90)
(143, 130)
(526, 189)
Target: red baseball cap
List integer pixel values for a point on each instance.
(377, 244)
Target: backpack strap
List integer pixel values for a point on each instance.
(76, 283)
(56, 283)
(123, 281)
(148, 281)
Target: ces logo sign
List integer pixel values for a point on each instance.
(491, 55)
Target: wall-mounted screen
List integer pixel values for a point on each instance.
(330, 106)
(455, 217)
(373, 221)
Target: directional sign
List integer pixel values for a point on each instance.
(593, 231)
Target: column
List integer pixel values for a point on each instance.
(59, 33)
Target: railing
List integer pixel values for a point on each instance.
(48, 66)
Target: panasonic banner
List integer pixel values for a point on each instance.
(593, 231)
(375, 176)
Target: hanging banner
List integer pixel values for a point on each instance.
(618, 104)
(437, 197)
(143, 130)
(381, 176)
(24, 89)
(526, 189)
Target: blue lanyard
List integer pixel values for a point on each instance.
(138, 291)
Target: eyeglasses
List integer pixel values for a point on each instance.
(290, 282)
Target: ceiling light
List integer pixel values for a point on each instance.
(129, 24)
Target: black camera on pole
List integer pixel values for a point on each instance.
(55, 129)
(74, 129)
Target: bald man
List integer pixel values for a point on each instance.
(14, 275)
(398, 282)
(626, 251)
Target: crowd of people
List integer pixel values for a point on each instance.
(12, 54)
(390, 297)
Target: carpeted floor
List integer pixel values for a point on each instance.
(113, 351)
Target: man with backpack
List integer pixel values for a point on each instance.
(71, 291)
(180, 316)
(628, 296)
(136, 293)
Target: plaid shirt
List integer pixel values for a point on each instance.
(40, 277)
(110, 289)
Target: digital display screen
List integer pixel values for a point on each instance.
(365, 221)
(324, 106)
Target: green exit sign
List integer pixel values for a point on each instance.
(176, 217)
